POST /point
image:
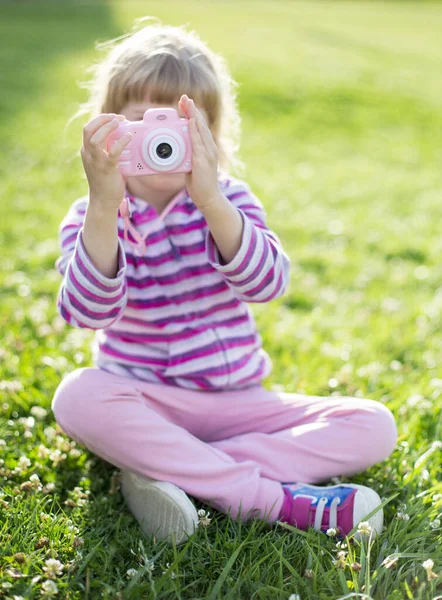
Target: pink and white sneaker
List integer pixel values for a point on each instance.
(340, 507)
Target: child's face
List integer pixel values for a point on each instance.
(168, 183)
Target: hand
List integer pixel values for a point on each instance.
(106, 184)
(202, 181)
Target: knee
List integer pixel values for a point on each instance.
(382, 429)
(69, 399)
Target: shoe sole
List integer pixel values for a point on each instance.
(162, 509)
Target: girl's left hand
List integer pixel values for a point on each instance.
(202, 181)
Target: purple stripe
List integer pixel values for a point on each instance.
(222, 370)
(160, 259)
(256, 374)
(264, 284)
(134, 357)
(91, 277)
(245, 261)
(195, 294)
(68, 240)
(245, 207)
(93, 297)
(177, 277)
(256, 270)
(148, 338)
(232, 303)
(212, 348)
(68, 317)
(238, 195)
(99, 316)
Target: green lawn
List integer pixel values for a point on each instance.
(342, 122)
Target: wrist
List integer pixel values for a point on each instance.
(98, 209)
(214, 204)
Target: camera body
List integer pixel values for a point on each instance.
(160, 144)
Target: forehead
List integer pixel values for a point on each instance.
(134, 110)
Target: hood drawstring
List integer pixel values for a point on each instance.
(140, 245)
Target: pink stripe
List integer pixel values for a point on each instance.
(99, 316)
(212, 348)
(177, 277)
(133, 357)
(160, 259)
(238, 195)
(245, 261)
(256, 270)
(88, 295)
(147, 338)
(68, 240)
(90, 276)
(255, 291)
(195, 294)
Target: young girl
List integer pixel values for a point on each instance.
(163, 266)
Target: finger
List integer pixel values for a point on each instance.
(203, 128)
(198, 147)
(119, 146)
(96, 123)
(99, 137)
(206, 136)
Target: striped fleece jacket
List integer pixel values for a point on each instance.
(176, 315)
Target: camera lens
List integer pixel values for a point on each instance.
(164, 150)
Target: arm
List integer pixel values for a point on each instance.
(94, 290)
(87, 297)
(257, 267)
(258, 270)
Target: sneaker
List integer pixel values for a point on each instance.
(161, 508)
(339, 506)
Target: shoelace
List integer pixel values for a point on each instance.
(333, 515)
(140, 245)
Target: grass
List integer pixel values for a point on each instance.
(342, 122)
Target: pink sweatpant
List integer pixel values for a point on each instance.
(230, 449)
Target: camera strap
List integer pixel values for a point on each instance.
(140, 245)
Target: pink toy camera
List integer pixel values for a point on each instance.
(160, 144)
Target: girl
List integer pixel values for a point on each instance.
(162, 267)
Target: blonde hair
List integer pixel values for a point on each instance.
(159, 63)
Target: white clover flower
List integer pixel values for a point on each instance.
(131, 572)
(435, 524)
(42, 451)
(341, 545)
(402, 516)
(49, 588)
(53, 567)
(39, 412)
(23, 462)
(50, 433)
(428, 565)
(365, 528)
(28, 422)
(2, 442)
(204, 518)
(436, 497)
(332, 532)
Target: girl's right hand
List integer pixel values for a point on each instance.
(106, 184)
